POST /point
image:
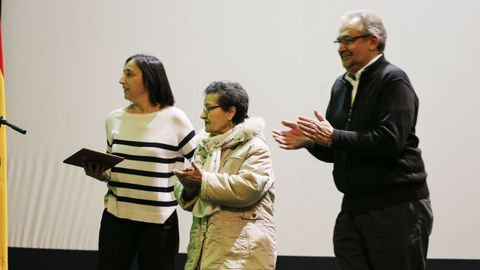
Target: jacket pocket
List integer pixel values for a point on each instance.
(226, 241)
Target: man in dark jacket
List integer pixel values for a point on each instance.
(369, 136)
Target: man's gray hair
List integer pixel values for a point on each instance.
(371, 24)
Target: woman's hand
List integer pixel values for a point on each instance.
(96, 171)
(192, 175)
(191, 179)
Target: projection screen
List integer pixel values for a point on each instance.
(63, 60)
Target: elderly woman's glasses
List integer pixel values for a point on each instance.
(348, 40)
(207, 110)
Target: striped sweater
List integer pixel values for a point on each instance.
(153, 144)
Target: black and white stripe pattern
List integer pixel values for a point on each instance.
(153, 145)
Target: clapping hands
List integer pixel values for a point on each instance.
(304, 133)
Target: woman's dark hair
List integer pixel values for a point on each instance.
(155, 79)
(230, 94)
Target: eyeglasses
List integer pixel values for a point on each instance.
(348, 40)
(206, 110)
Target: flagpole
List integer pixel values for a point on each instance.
(3, 168)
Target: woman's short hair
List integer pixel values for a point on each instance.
(154, 78)
(230, 94)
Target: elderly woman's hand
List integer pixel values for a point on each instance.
(192, 175)
(191, 179)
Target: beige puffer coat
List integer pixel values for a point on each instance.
(240, 234)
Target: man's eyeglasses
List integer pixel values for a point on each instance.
(207, 110)
(348, 40)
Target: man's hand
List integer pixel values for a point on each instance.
(291, 139)
(320, 131)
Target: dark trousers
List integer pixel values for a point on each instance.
(393, 238)
(156, 245)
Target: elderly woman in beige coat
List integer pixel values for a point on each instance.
(230, 187)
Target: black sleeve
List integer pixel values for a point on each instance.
(322, 153)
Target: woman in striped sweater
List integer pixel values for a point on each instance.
(155, 138)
